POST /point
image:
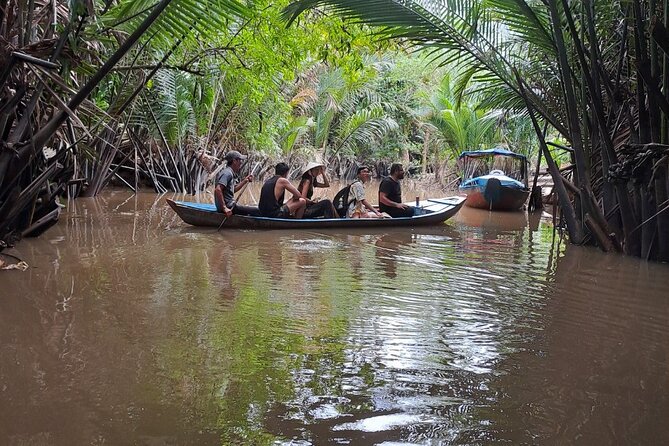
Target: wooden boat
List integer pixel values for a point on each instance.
(504, 185)
(431, 212)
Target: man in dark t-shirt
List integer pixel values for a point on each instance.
(226, 186)
(390, 194)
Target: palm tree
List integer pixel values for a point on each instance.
(343, 115)
(462, 125)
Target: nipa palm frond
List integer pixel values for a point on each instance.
(456, 28)
(181, 19)
(364, 127)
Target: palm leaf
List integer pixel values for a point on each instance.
(182, 19)
(364, 127)
(451, 26)
(296, 128)
(528, 23)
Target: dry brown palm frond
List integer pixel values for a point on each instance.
(88, 109)
(304, 100)
(623, 132)
(208, 161)
(61, 105)
(309, 78)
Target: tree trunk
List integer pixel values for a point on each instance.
(661, 198)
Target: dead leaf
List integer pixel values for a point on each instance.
(20, 266)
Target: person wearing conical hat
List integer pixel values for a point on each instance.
(309, 180)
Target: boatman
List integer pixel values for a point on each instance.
(226, 186)
(272, 196)
(390, 194)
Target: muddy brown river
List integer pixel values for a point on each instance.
(132, 328)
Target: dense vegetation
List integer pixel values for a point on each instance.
(153, 94)
(148, 93)
(595, 72)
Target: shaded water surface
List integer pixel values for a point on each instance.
(131, 328)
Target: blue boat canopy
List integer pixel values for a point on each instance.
(489, 152)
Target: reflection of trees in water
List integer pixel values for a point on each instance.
(60, 337)
(276, 331)
(475, 300)
(328, 380)
(78, 319)
(598, 372)
(233, 359)
(117, 219)
(272, 259)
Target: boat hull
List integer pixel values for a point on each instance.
(198, 214)
(505, 199)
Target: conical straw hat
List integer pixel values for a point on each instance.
(310, 166)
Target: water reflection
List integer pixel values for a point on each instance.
(132, 328)
(387, 247)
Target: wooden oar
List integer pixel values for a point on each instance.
(241, 191)
(222, 223)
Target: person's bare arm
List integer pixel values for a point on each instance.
(369, 206)
(383, 198)
(305, 189)
(242, 183)
(287, 185)
(325, 183)
(218, 197)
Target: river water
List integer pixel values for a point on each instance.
(131, 328)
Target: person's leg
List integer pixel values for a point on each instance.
(302, 205)
(282, 212)
(329, 210)
(246, 210)
(321, 208)
(398, 212)
(313, 210)
(296, 207)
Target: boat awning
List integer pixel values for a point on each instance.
(491, 152)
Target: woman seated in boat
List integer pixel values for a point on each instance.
(359, 207)
(272, 196)
(315, 208)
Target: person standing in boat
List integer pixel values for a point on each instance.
(390, 194)
(272, 196)
(315, 208)
(227, 185)
(359, 207)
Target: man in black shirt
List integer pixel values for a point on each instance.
(390, 194)
(272, 196)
